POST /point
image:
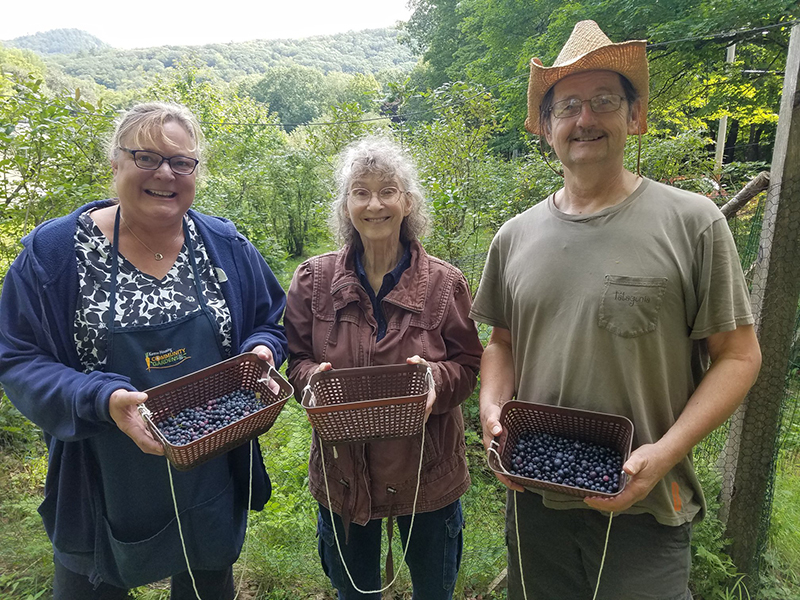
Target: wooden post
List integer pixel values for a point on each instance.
(722, 131)
(776, 286)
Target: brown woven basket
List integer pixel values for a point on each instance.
(367, 403)
(518, 418)
(240, 372)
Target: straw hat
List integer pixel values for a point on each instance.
(589, 49)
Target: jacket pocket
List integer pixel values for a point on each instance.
(630, 305)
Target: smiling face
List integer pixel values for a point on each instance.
(377, 224)
(590, 139)
(155, 198)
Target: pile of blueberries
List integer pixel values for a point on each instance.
(191, 424)
(557, 459)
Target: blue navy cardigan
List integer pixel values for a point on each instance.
(42, 375)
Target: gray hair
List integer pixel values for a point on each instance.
(384, 158)
(145, 123)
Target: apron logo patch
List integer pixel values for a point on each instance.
(164, 359)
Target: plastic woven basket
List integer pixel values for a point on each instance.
(518, 418)
(240, 372)
(367, 403)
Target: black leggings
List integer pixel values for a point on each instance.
(212, 585)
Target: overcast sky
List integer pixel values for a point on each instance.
(194, 22)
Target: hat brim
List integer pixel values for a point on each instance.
(626, 58)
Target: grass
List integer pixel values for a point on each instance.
(280, 560)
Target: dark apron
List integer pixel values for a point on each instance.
(136, 536)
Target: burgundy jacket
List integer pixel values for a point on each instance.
(329, 318)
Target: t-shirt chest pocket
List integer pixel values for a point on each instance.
(630, 305)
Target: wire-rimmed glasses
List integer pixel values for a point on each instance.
(386, 195)
(602, 103)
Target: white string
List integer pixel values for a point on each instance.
(247, 520)
(603, 560)
(519, 548)
(519, 543)
(180, 531)
(410, 526)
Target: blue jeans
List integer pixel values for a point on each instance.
(433, 558)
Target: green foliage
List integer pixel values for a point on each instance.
(17, 434)
(713, 576)
(491, 41)
(293, 91)
(51, 158)
(26, 568)
(367, 51)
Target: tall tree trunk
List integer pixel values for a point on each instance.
(730, 144)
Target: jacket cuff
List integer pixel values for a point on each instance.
(104, 396)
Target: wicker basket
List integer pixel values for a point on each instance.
(240, 372)
(367, 403)
(518, 418)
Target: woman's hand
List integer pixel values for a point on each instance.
(264, 353)
(326, 366)
(122, 408)
(418, 360)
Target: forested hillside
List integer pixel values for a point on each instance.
(72, 51)
(59, 41)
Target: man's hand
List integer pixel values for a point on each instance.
(490, 424)
(646, 466)
(497, 386)
(418, 360)
(122, 408)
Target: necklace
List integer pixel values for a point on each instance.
(156, 255)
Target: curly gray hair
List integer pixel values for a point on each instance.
(382, 157)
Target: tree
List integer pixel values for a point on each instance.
(294, 92)
(52, 158)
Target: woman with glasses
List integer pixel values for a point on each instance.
(380, 300)
(88, 312)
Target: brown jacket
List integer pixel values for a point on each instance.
(329, 318)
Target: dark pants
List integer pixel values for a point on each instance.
(562, 550)
(433, 558)
(212, 585)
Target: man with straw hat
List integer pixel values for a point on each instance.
(620, 295)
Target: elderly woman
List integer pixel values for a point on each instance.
(382, 300)
(86, 308)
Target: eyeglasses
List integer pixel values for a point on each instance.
(387, 195)
(152, 161)
(571, 107)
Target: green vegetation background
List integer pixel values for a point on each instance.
(450, 86)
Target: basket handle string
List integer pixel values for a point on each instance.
(516, 529)
(270, 371)
(493, 450)
(307, 391)
(180, 529)
(410, 526)
(253, 448)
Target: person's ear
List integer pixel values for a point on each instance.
(634, 115)
(406, 204)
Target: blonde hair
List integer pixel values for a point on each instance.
(380, 156)
(144, 124)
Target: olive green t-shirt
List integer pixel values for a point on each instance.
(610, 311)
